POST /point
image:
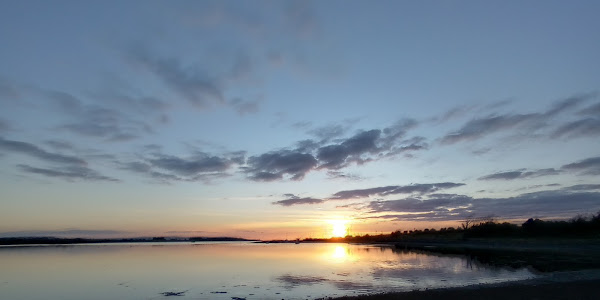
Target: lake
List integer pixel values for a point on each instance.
(231, 270)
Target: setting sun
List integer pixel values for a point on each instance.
(339, 228)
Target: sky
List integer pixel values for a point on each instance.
(281, 119)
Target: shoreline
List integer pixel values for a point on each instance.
(583, 284)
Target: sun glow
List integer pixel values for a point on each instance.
(339, 228)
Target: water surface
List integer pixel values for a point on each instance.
(229, 271)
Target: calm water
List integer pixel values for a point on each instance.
(229, 270)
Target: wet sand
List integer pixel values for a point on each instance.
(559, 285)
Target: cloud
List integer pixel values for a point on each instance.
(146, 169)
(422, 188)
(510, 175)
(449, 207)
(580, 128)
(200, 166)
(244, 107)
(487, 125)
(334, 154)
(96, 121)
(588, 166)
(198, 87)
(277, 164)
(202, 163)
(480, 127)
(593, 110)
(35, 151)
(343, 175)
(68, 173)
(350, 150)
(568, 103)
(295, 200)
(583, 187)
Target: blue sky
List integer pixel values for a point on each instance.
(252, 118)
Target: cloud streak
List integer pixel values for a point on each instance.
(37, 152)
(68, 173)
(511, 175)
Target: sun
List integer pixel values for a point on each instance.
(339, 228)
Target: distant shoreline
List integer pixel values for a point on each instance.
(24, 241)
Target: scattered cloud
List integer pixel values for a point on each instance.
(198, 167)
(37, 152)
(337, 156)
(592, 110)
(329, 132)
(197, 86)
(69, 173)
(448, 207)
(96, 121)
(588, 166)
(295, 200)
(422, 188)
(244, 107)
(483, 126)
(510, 175)
(580, 128)
(276, 164)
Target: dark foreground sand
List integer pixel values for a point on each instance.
(560, 285)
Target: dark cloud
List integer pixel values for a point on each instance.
(295, 200)
(580, 128)
(35, 151)
(333, 154)
(510, 175)
(422, 188)
(563, 202)
(306, 146)
(363, 193)
(275, 165)
(588, 166)
(593, 110)
(69, 173)
(343, 175)
(582, 187)
(350, 150)
(203, 163)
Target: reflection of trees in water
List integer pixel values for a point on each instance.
(470, 261)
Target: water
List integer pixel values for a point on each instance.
(229, 270)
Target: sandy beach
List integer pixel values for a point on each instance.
(583, 284)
